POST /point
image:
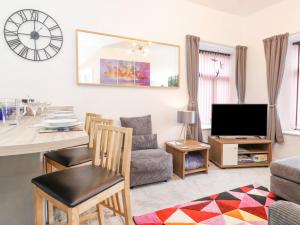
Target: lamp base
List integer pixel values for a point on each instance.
(185, 131)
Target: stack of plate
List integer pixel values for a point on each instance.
(60, 123)
(61, 115)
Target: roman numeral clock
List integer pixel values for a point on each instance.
(33, 35)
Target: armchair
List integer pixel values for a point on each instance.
(149, 163)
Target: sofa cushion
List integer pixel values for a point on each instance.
(141, 142)
(149, 160)
(287, 168)
(140, 125)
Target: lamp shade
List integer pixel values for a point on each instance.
(186, 117)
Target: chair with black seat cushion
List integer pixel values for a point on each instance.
(79, 189)
(75, 156)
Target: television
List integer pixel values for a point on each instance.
(239, 119)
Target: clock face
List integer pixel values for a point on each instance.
(33, 35)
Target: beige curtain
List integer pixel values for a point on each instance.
(275, 53)
(192, 50)
(240, 72)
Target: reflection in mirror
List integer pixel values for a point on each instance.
(117, 61)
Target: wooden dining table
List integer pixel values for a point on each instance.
(21, 152)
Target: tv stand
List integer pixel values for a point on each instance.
(237, 153)
(238, 138)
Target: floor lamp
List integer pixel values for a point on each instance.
(186, 118)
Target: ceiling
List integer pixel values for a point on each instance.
(238, 7)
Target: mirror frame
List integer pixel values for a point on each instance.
(131, 39)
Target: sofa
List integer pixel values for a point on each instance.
(149, 163)
(285, 179)
(284, 213)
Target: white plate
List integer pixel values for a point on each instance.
(62, 112)
(60, 122)
(47, 126)
(62, 115)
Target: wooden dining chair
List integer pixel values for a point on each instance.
(75, 156)
(78, 189)
(88, 118)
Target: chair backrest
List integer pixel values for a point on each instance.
(93, 123)
(88, 117)
(112, 149)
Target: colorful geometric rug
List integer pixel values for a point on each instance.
(241, 206)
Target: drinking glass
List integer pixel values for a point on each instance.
(34, 107)
(11, 110)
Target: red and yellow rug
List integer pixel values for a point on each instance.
(241, 206)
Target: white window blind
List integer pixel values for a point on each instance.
(215, 82)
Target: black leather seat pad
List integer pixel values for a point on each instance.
(76, 185)
(71, 156)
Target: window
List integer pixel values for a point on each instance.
(289, 96)
(215, 82)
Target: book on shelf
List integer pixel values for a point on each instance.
(258, 158)
(244, 159)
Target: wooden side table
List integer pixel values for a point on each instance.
(179, 151)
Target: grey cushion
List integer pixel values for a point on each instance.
(287, 168)
(140, 142)
(140, 125)
(284, 213)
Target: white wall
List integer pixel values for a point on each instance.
(55, 80)
(280, 18)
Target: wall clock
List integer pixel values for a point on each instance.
(33, 35)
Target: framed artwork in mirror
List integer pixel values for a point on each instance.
(112, 60)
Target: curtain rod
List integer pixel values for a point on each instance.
(214, 52)
(218, 44)
(296, 43)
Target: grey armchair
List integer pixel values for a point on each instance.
(284, 213)
(149, 164)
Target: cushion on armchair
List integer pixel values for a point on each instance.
(140, 125)
(141, 142)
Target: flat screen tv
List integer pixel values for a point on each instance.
(239, 119)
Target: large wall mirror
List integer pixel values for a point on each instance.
(111, 60)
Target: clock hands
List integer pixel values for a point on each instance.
(40, 29)
(35, 31)
(35, 34)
